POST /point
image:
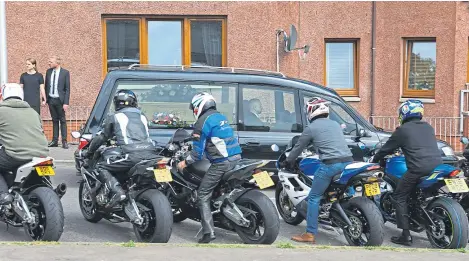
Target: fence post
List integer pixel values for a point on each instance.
(465, 121)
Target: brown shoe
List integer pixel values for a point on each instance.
(305, 237)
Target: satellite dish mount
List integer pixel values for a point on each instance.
(290, 42)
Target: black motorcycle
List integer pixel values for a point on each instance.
(36, 205)
(146, 207)
(247, 211)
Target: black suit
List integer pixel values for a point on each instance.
(56, 104)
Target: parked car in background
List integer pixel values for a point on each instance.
(263, 107)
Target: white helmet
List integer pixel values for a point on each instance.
(316, 106)
(201, 102)
(12, 90)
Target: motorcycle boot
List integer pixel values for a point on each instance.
(114, 186)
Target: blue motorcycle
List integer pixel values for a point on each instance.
(358, 217)
(431, 205)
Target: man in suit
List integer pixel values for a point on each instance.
(58, 95)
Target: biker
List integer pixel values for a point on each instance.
(214, 137)
(130, 128)
(21, 136)
(327, 139)
(418, 142)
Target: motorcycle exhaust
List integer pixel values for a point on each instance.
(61, 189)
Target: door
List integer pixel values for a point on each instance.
(267, 115)
(350, 125)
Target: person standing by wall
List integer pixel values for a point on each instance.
(58, 96)
(33, 86)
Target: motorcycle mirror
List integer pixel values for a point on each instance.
(362, 133)
(275, 147)
(464, 140)
(75, 134)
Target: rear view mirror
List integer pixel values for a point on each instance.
(275, 147)
(75, 134)
(464, 140)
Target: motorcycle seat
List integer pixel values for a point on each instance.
(243, 166)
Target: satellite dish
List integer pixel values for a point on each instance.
(290, 41)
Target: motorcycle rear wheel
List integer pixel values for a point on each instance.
(266, 217)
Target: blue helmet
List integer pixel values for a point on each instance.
(410, 109)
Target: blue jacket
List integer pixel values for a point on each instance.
(214, 136)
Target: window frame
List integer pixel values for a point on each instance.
(354, 92)
(407, 48)
(143, 35)
(296, 102)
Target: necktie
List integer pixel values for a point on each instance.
(54, 92)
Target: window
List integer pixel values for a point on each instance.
(270, 109)
(341, 116)
(166, 103)
(156, 40)
(341, 66)
(419, 68)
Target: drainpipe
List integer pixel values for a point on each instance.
(373, 49)
(3, 44)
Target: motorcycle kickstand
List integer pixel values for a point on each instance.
(200, 230)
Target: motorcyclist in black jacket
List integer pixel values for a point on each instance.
(130, 128)
(417, 140)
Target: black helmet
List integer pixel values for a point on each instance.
(125, 98)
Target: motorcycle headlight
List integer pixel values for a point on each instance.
(448, 151)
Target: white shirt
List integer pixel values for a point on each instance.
(56, 82)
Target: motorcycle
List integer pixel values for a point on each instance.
(341, 205)
(432, 208)
(36, 205)
(247, 211)
(146, 207)
(83, 141)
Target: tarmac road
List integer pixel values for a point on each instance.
(78, 230)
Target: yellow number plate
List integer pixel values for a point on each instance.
(456, 185)
(372, 189)
(263, 180)
(163, 175)
(45, 171)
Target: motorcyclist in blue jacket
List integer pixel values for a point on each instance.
(214, 137)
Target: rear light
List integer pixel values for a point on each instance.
(45, 163)
(454, 173)
(373, 167)
(162, 163)
(83, 143)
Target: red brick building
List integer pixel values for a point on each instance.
(420, 48)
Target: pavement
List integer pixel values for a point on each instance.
(61, 155)
(177, 253)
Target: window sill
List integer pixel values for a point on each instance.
(423, 100)
(352, 99)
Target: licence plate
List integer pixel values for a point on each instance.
(372, 189)
(456, 185)
(163, 175)
(45, 171)
(263, 180)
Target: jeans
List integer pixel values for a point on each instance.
(321, 181)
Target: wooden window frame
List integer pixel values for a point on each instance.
(354, 92)
(143, 35)
(406, 93)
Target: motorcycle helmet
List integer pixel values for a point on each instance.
(201, 102)
(125, 98)
(315, 107)
(12, 90)
(410, 109)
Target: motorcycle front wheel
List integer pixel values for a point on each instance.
(264, 225)
(367, 222)
(285, 207)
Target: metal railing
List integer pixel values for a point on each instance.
(446, 128)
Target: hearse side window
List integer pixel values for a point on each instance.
(270, 109)
(341, 116)
(166, 103)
